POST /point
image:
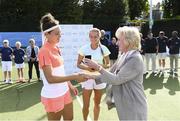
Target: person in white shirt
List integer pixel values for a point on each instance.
(100, 54)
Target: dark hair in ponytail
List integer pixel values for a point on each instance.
(48, 21)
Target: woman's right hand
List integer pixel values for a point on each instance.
(80, 78)
(90, 69)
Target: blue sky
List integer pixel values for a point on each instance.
(155, 1)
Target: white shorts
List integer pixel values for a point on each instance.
(6, 65)
(91, 84)
(19, 65)
(162, 55)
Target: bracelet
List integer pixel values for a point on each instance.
(100, 68)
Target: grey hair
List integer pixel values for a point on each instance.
(18, 43)
(131, 35)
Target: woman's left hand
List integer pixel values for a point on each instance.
(92, 64)
(74, 90)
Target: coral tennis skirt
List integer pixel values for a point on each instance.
(56, 104)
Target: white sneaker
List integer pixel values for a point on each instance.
(160, 69)
(6, 81)
(163, 70)
(10, 82)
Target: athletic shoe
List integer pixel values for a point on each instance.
(10, 82)
(163, 71)
(6, 81)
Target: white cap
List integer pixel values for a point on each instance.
(5, 41)
(32, 40)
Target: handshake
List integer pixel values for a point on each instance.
(81, 77)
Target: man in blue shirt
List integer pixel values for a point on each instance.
(114, 49)
(142, 50)
(162, 44)
(151, 50)
(6, 55)
(19, 61)
(174, 48)
(104, 41)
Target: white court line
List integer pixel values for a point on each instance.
(81, 104)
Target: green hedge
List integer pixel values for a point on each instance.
(166, 25)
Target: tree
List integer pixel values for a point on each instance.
(167, 6)
(176, 8)
(136, 7)
(24, 15)
(104, 11)
(91, 10)
(67, 11)
(171, 8)
(113, 11)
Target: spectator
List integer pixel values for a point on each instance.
(114, 49)
(174, 46)
(32, 53)
(142, 50)
(151, 49)
(104, 41)
(6, 55)
(19, 61)
(162, 44)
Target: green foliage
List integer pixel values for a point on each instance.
(67, 11)
(91, 10)
(113, 11)
(104, 11)
(171, 8)
(136, 7)
(24, 15)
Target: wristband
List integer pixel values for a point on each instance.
(99, 68)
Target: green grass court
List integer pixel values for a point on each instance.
(22, 101)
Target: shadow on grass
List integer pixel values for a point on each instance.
(172, 84)
(153, 82)
(18, 97)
